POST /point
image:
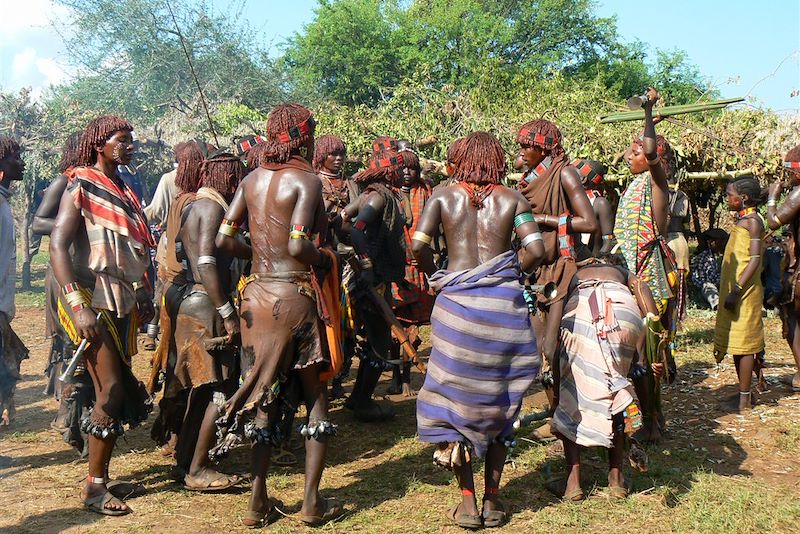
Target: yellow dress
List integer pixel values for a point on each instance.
(741, 331)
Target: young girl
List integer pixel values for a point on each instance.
(740, 330)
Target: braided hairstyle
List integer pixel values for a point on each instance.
(748, 185)
(411, 160)
(480, 160)
(377, 171)
(526, 136)
(665, 153)
(324, 147)
(190, 158)
(8, 148)
(96, 134)
(222, 171)
(281, 119)
(452, 150)
(69, 152)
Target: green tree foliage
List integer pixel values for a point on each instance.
(134, 63)
(350, 52)
(358, 51)
(710, 141)
(21, 118)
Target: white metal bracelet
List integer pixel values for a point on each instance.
(226, 310)
(530, 238)
(207, 260)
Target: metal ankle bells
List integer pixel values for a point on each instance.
(317, 429)
(271, 435)
(100, 430)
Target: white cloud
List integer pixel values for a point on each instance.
(30, 69)
(53, 72)
(20, 17)
(30, 48)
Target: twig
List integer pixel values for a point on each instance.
(773, 73)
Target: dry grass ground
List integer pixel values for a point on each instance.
(713, 473)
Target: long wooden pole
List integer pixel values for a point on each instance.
(668, 111)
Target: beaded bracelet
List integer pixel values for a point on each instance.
(228, 228)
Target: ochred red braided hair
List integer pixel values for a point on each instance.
(480, 159)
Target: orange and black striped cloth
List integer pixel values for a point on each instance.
(413, 298)
(118, 234)
(109, 203)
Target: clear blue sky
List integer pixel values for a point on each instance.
(735, 43)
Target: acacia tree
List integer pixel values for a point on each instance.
(133, 61)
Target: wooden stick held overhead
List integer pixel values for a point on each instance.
(668, 111)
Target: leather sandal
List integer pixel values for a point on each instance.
(471, 522)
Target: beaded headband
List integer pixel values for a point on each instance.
(295, 132)
(249, 142)
(586, 171)
(540, 139)
(382, 163)
(384, 144)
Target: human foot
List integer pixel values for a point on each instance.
(465, 516)
(207, 479)
(407, 391)
(561, 489)
(494, 511)
(617, 485)
(122, 489)
(263, 516)
(325, 510)
(97, 498)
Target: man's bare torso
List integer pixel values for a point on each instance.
(474, 235)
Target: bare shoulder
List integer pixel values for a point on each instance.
(569, 174)
(512, 195)
(752, 224)
(307, 180)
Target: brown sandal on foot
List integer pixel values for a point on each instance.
(122, 489)
(558, 488)
(216, 482)
(495, 518)
(254, 519)
(98, 504)
(332, 510)
(471, 522)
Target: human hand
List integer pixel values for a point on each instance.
(658, 369)
(775, 189)
(231, 325)
(87, 324)
(731, 300)
(144, 305)
(652, 97)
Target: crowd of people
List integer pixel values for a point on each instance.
(258, 274)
